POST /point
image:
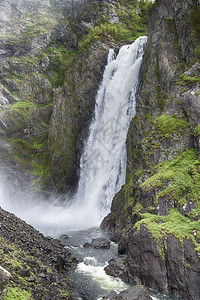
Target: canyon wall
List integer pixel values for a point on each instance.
(155, 216)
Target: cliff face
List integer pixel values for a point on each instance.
(37, 47)
(95, 27)
(52, 57)
(155, 216)
(71, 118)
(26, 89)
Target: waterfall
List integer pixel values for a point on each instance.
(103, 162)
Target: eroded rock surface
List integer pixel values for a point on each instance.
(155, 216)
(133, 293)
(100, 243)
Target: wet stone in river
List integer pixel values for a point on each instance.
(100, 243)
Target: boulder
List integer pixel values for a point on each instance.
(100, 243)
(137, 292)
(117, 267)
(87, 245)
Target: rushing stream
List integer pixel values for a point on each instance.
(103, 169)
(90, 280)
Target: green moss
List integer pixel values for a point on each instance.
(151, 208)
(22, 106)
(155, 145)
(137, 209)
(12, 261)
(61, 59)
(133, 19)
(42, 166)
(170, 124)
(174, 223)
(18, 78)
(139, 172)
(16, 294)
(197, 51)
(23, 152)
(178, 179)
(29, 62)
(197, 130)
(184, 80)
(15, 259)
(117, 30)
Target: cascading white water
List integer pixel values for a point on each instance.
(103, 163)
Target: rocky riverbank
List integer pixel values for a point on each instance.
(38, 265)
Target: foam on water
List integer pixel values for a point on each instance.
(98, 275)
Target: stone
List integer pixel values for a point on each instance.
(25, 273)
(117, 267)
(137, 292)
(87, 245)
(100, 243)
(143, 257)
(31, 279)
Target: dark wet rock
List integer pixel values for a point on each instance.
(100, 243)
(117, 267)
(64, 236)
(133, 293)
(25, 273)
(87, 245)
(143, 257)
(122, 247)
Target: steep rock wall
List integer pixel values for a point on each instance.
(155, 216)
(95, 27)
(52, 57)
(38, 45)
(26, 90)
(72, 113)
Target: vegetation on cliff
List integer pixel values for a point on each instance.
(159, 203)
(52, 41)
